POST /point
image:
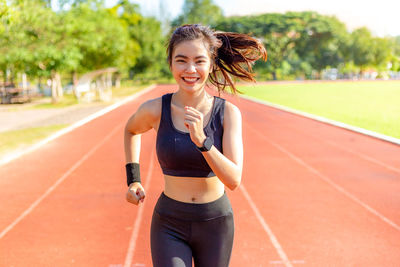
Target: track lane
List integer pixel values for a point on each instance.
(299, 188)
(85, 221)
(82, 225)
(47, 168)
(380, 184)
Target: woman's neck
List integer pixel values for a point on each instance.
(195, 99)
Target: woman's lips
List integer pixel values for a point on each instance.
(190, 79)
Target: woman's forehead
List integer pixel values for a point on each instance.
(191, 48)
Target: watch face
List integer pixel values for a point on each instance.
(208, 143)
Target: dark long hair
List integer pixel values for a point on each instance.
(231, 53)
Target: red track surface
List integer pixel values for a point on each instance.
(311, 195)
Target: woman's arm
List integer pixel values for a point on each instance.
(227, 166)
(145, 118)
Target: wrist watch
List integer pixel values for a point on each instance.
(208, 143)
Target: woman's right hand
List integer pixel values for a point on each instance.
(135, 193)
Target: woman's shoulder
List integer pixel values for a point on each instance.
(231, 108)
(151, 107)
(231, 113)
(152, 104)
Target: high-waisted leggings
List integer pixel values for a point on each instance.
(183, 231)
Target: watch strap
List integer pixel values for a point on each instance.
(208, 143)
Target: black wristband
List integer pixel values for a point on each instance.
(132, 173)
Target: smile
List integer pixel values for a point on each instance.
(190, 79)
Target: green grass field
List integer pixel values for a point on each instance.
(20, 139)
(370, 105)
(124, 91)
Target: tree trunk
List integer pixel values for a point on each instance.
(12, 78)
(5, 76)
(56, 88)
(318, 74)
(274, 76)
(40, 83)
(109, 80)
(24, 81)
(361, 73)
(59, 86)
(117, 80)
(54, 97)
(75, 83)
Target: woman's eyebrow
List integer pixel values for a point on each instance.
(183, 56)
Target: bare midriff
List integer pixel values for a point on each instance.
(193, 189)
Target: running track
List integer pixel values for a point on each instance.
(311, 195)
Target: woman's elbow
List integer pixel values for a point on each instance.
(234, 184)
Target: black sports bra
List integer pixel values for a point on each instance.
(177, 154)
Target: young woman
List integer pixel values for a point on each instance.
(199, 147)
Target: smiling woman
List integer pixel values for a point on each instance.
(199, 147)
(190, 64)
(229, 53)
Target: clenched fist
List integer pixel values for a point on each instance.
(135, 193)
(193, 121)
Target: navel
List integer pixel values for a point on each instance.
(193, 199)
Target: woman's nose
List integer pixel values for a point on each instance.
(190, 68)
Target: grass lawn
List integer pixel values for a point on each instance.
(70, 99)
(67, 100)
(20, 139)
(124, 91)
(371, 105)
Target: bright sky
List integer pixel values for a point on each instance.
(381, 17)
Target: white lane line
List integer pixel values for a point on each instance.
(325, 120)
(138, 220)
(293, 261)
(327, 179)
(271, 235)
(335, 144)
(361, 155)
(74, 126)
(60, 180)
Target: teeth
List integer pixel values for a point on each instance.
(190, 79)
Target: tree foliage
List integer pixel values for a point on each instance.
(199, 11)
(84, 35)
(148, 47)
(302, 43)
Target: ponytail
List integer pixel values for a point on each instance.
(235, 56)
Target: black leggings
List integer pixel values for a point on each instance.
(180, 231)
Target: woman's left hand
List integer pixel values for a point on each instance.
(193, 120)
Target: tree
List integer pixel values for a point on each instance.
(276, 32)
(98, 34)
(395, 57)
(146, 38)
(42, 42)
(199, 11)
(5, 17)
(362, 48)
(35, 43)
(382, 52)
(152, 58)
(295, 41)
(321, 39)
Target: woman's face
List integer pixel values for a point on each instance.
(191, 65)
